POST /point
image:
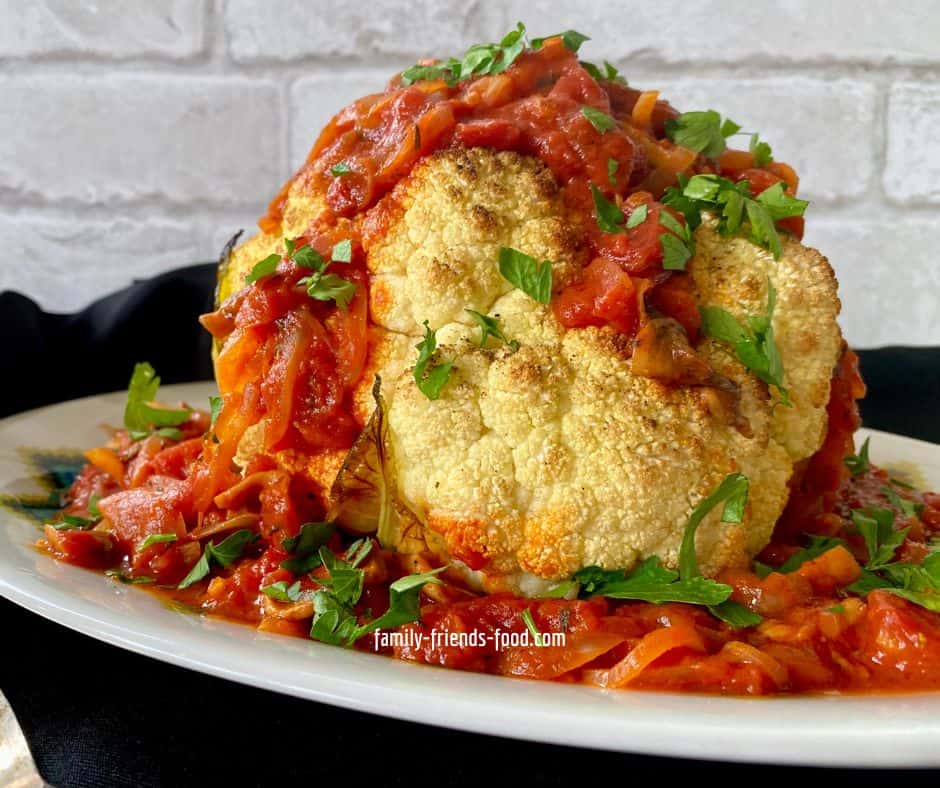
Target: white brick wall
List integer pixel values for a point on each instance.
(137, 135)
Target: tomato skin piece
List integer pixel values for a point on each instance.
(901, 641)
(605, 296)
(91, 549)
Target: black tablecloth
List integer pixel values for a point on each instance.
(99, 716)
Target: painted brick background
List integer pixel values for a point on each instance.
(137, 135)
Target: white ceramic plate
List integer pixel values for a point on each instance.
(830, 730)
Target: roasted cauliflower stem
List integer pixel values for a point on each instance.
(539, 461)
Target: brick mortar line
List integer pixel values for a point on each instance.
(215, 58)
(144, 210)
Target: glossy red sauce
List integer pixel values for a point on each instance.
(294, 361)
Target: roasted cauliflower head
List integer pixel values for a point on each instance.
(561, 448)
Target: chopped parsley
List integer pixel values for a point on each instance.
(608, 73)
(263, 268)
(859, 463)
(733, 204)
(609, 216)
(905, 506)
(752, 341)
(140, 417)
(876, 525)
(702, 132)
(304, 548)
(224, 554)
(761, 151)
(117, 574)
(677, 245)
(430, 380)
(72, 522)
(572, 40)
(283, 592)
(650, 582)
(528, 274)
(489, 327)
(335, 620)
(612, 166)
(816, 547)
(478, 61)
(156, 539)
(637, 217)
(342, 252)
(599, 120)
(215, 408)
(340, 169)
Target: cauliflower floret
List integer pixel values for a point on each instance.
(539, 461)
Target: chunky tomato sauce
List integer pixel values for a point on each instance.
(294, 361)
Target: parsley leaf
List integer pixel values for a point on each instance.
(447, 71)
(342, 252)
(733, 201)
(342, 168)
(735, 614)
(702, 132)
(637, 216)
(876, 525)
(430, 380)
(753, 342)
(305, 547)
(283, 592)
(141, 418)
(905, 506)
(479, 60)
(335, 620)
(215, 408)
(531, 277)
(489, 326)
(650, 582)
(72, 522)
(859, 463)
(156, 539)
(732, 492)
(263, 268)
(224, 554)
(93, 509)
(330, 287)
(677, 244)
(572, 40)
(609, 72)
(609, 216)
(561, 590)
(816, 547)
(599, 120)
(761, 151)
(612, 166)
(117, 574)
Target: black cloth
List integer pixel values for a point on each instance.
(96, 715)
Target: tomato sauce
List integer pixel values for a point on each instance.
(294, 361)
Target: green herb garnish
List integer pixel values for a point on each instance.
(283, 592)
(489, 327)
(342, 252)
(305, 547)
(752, 341)
(572, 40)
(335, 620)
(263, 268)
(529, 622)
(637, 217)
(117, 574)
(430, 380)
(859, 463)
(528, 274)
(156, 539)
(340, 169)
(140, 417)
(599, 120)
(609, 216)
(608, 73)
(224, 554)
(702, 132)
